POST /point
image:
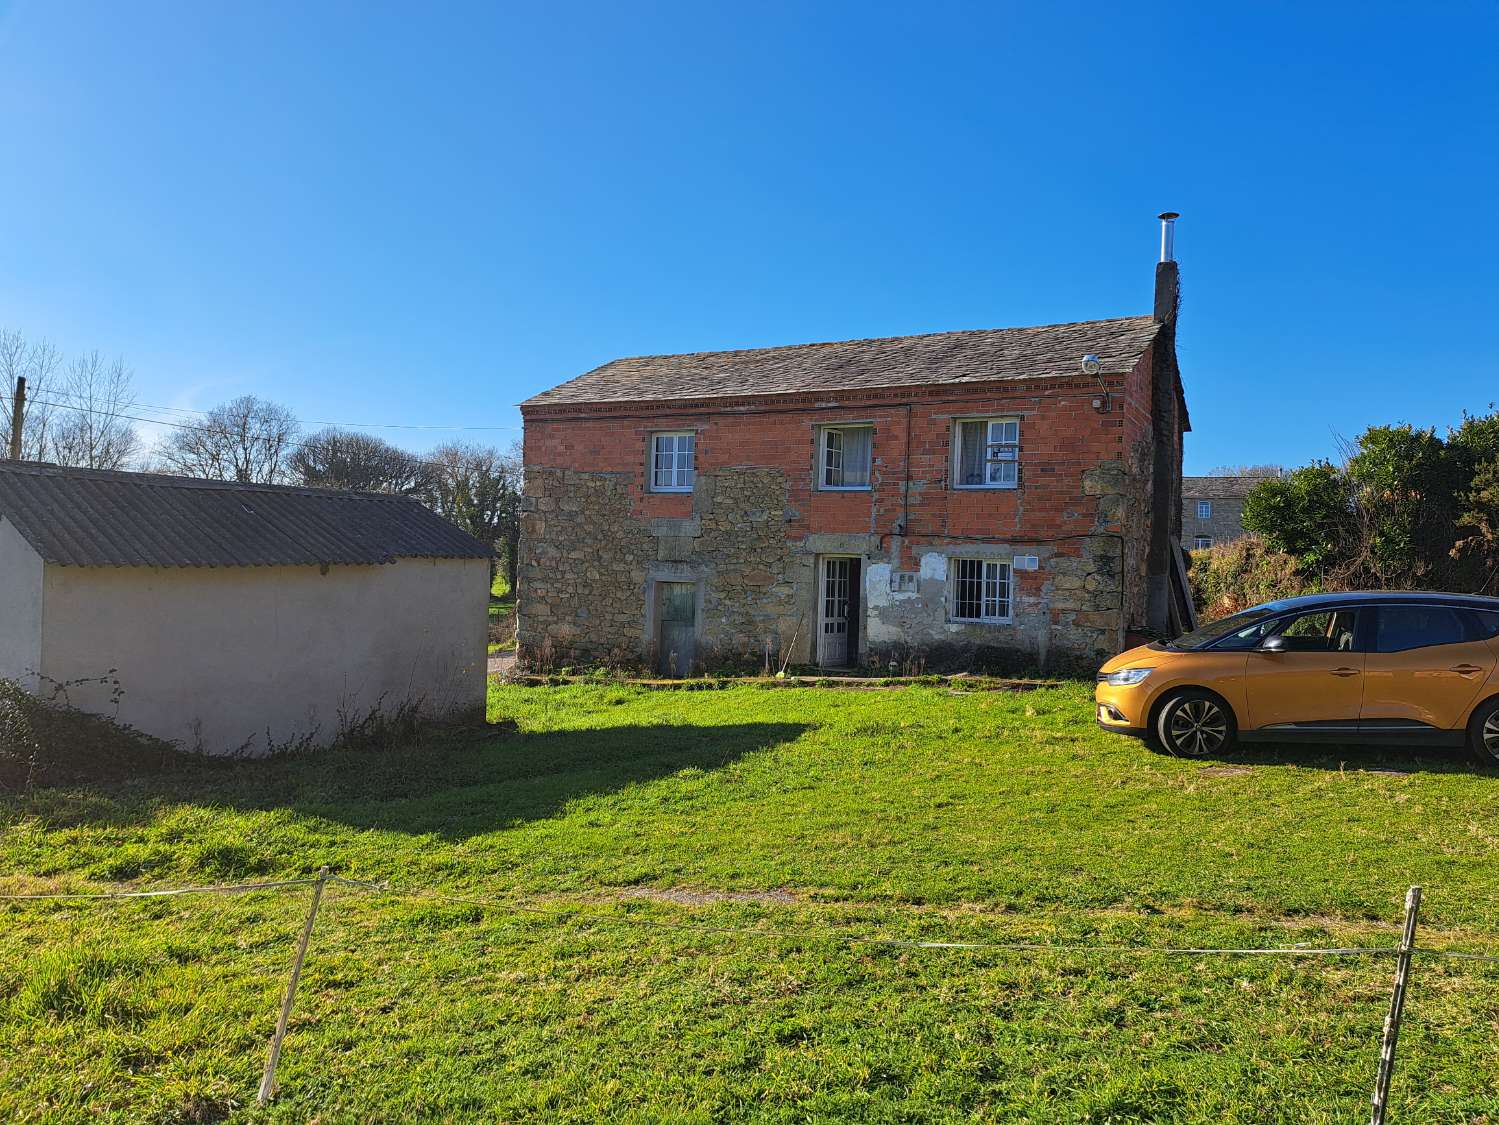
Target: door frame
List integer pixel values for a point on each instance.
(855, 617)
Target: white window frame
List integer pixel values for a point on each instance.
(823, 433)
(1202, 543)
(998, 453)
(999, 572)
(1204, 509)
(676, 470)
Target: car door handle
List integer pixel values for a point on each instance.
(1465, 669)
(1345, 671)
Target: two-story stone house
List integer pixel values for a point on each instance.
(1213, 509)
(961, 496)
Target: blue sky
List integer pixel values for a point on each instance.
(424, 214)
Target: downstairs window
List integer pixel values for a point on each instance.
(981, 590)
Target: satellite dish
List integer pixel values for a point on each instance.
(1091, 365)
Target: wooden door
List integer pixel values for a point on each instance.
(676, 628)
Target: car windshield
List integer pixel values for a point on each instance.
(1205, 635)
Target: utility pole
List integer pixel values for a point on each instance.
(17, 417)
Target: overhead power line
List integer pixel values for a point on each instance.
(299, 421)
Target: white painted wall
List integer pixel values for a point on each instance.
(219, 659)
(20, 608)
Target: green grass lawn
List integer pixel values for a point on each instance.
(916, 813)
(501, 610)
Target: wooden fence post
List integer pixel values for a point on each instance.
(268, 1080)
(1397, 1006)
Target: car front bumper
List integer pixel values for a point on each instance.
(1120, 709)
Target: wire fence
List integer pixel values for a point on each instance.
(1403, 954)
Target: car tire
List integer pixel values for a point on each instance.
(1195, 724)
(1483, 732)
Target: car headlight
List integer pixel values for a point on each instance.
(1125, 677)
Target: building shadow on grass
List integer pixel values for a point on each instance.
(451, 783)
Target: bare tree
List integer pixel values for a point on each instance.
(334, 458)
(478, 488)
(248, 440)
(1247, 471)
(92, 431)
(36, 363)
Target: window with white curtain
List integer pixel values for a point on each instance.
(988, 453)
(672, 461)
(845, 456)
(1204, 509)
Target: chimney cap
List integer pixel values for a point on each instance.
(1169, 215)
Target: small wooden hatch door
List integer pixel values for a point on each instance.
(676, 628)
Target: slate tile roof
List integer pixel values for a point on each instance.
(1218, 488)
(895, 361)
(89, 517)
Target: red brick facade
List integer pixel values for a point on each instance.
(596, 538)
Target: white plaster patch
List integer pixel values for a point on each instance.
(934, 565)
(877, 585)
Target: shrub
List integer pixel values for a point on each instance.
(1245, 572)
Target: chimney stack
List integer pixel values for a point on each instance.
(1168, 235)
(1167, 280)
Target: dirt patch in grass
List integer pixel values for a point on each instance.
(682, 896)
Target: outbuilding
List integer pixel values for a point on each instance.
(236, 618)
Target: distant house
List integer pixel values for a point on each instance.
(954, 496)
(1213, 509)
(235, 617)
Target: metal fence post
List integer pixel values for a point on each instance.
(268, 1080)
(1397, 1006)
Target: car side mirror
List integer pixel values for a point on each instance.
(1273, 645)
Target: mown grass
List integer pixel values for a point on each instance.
(912, 813)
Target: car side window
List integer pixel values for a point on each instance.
(1488, 622)
(1327, 630)
(1403, 627)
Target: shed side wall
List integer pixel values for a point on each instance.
(255, 658)
(20, 608)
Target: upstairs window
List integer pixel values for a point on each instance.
(1204, 509)
(988, 453)
(672, 461)
(981, 590)
(845, 456)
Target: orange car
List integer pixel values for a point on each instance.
(1405, 669)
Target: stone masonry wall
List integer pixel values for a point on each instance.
(1225, 524)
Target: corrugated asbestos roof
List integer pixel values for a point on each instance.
(88, 517)
(895, 361)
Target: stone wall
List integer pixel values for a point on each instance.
(583, 565)
(590, 562)
(1225, 524)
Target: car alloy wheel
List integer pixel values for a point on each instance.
(1485, 732)
(1195, 727)
(1490, 733)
